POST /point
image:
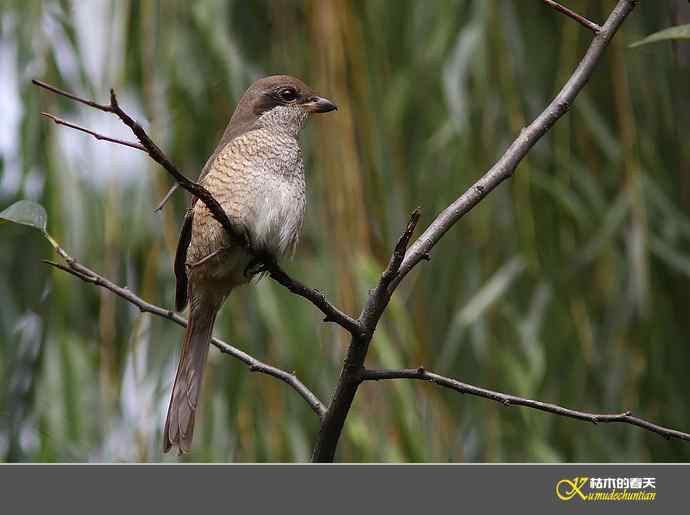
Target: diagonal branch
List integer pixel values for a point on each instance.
(331, 312)
(513, 400)
(506, 165)
(580, 19)
(156, 154)
(166, 197)
(88, 275)
(316, 297)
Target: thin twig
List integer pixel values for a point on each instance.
(580, 19)
(87, 275)
(513, 400)
(71, 96)
(96, 135)
(157, 155)
(167, 196)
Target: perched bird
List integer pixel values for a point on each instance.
(257, 175)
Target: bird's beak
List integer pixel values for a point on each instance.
(319, 105)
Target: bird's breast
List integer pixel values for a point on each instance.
(278, 210)
(259, 181)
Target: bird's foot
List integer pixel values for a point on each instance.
(255, 266)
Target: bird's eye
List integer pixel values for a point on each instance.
(288, 94)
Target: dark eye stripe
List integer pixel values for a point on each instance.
(287, 94)
(270, 99)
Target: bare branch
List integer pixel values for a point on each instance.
(333, 314)
(157, 155)
(512, 400)
(506, 165)
(86, 274)
(167, 196)
(580, 19)
(379, 296)
(400, 249)
(101, 107)
(96, 135)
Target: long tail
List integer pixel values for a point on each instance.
(179, 424)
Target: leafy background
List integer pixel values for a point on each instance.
(569, 284)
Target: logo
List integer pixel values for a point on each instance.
(607, 489)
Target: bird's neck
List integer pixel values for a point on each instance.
(286, 119)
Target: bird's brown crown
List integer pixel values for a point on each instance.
(283, 90)
(271, 92)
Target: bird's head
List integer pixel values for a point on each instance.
(281, 102)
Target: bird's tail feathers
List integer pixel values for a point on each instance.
(179, 423)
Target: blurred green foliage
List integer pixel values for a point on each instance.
(570, 283)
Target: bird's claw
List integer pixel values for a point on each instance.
(255, 266)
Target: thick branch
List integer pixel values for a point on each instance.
(86, 274)
(332, 313)
(506, 165)
(353, 368)
(512, 400)
(350, 375)
(580, 19)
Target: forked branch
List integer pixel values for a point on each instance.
(353, 368)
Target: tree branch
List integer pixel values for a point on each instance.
(86, 274)
(316, 297)
(353, 369)
(350, 375)
(96, 135)
(156, 154)
(506, 165)
(332, 313)
(166, 197)
(379, 297)
(580, 19)
(512, 400)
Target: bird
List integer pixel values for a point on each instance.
(256, 173)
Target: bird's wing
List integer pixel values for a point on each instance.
(232, 132)
(180, 262)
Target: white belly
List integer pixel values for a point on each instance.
(278, 214)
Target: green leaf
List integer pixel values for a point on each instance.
(26, 212)
(678, 32)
